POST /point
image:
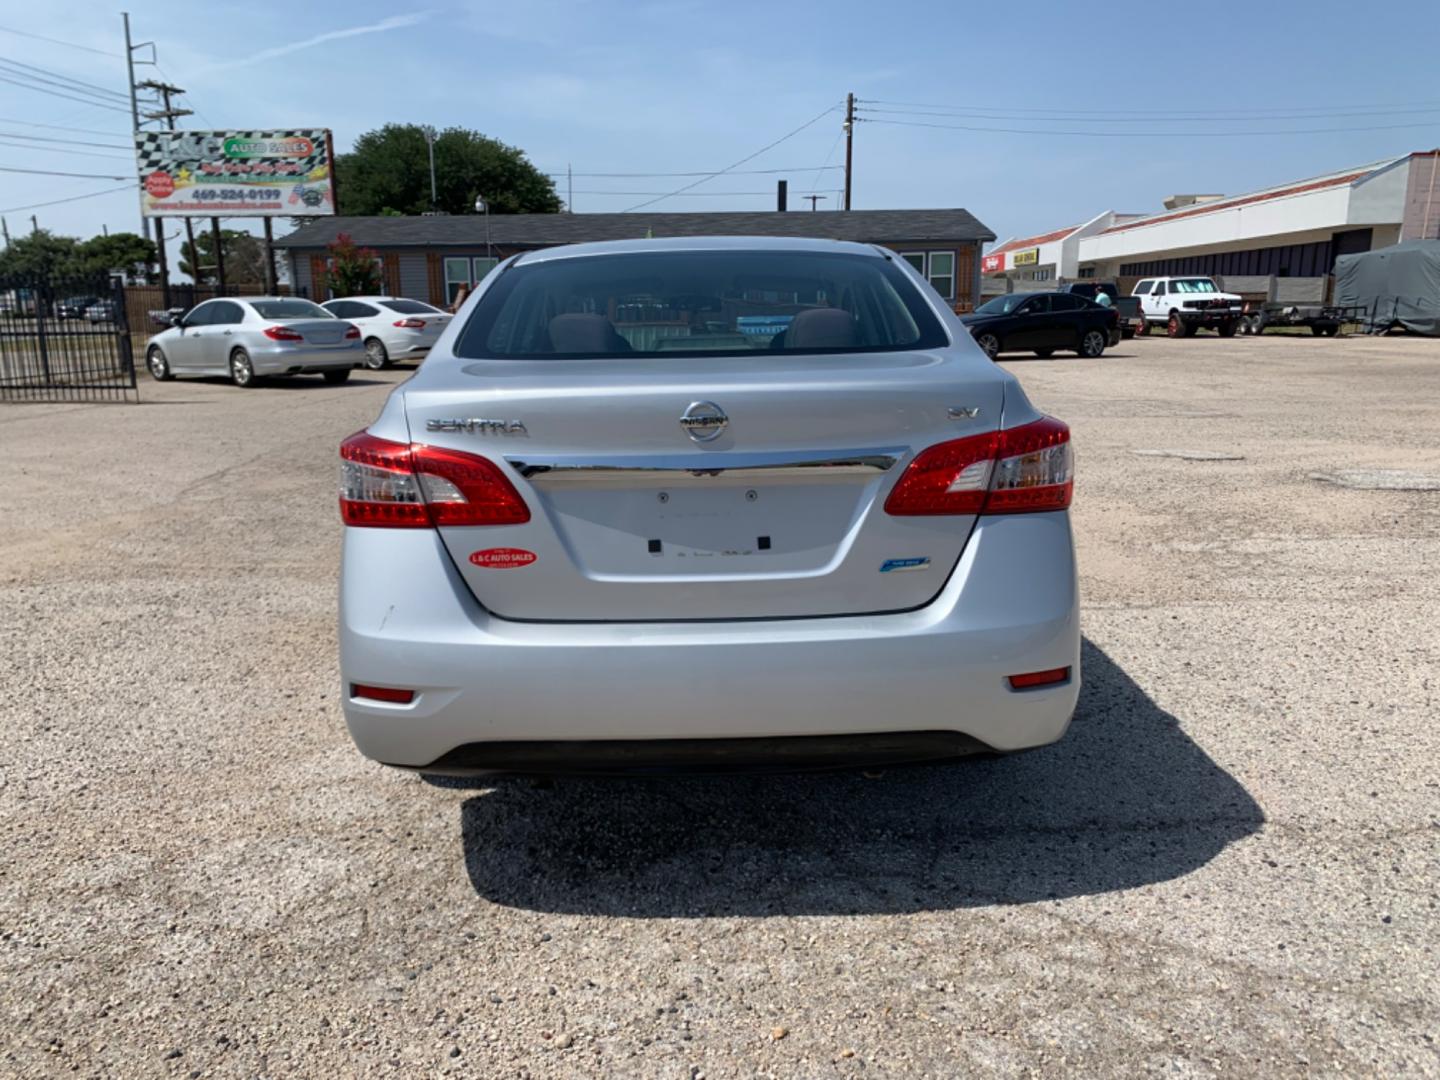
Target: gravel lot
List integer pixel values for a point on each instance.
(1229, 865)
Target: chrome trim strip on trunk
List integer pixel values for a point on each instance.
(733, 466)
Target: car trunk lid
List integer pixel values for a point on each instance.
(778, 513)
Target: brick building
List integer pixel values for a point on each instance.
(431, 258)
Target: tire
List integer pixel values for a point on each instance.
(1044, 354)
(1143, 330)
(1092, 344)
(1226, 329)
(1126, 334)
(336, 376)
(1332, 331)
(376, 356)
(990, 343)
(1174, 327)
(242, 371)
(158, 365)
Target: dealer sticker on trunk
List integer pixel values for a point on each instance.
(502, 558)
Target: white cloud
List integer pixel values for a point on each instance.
(394, 22)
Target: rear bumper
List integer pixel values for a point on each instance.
(278, 360)
(490, 692)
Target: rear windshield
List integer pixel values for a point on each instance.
(289, 309)
(409, 307)
(700, 303)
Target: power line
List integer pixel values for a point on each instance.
(1149, 134)
(654, 175)
(82, 175)
(693, 194)
(63, 127)
(61, 75)
(67, 97)
(814, 184)
(60, 150)
(1162, 112)
(748, 157)
(56, 41)
(67, 142)
(72, 198)
(1065, 118)
(9, 68)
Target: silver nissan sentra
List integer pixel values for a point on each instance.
(706, 504)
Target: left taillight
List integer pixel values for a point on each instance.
(282, 333)
(352, 333)
(391, 485)
(1019, 470)
(411, 324)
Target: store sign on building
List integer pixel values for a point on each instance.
(1028, 257)
(993, 264)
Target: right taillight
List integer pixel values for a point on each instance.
(1016, 471)
(393, 485)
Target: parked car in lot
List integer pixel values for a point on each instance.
(575, 544)
(249, 338)
(74, 307)
(1184, 305)
(392, 328)
(1132, 319)
(101, 311)
(1043, 323)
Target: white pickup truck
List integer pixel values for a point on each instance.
(1184, 304)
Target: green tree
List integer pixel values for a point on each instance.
(244, 258)
(351, 270)
(41, 254)
(131, 254)
(389, 171)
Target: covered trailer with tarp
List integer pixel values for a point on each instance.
(1394, 286)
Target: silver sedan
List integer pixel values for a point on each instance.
(706, 503)
(251, 337)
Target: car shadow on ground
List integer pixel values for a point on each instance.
(296, 382)
(1124, 800)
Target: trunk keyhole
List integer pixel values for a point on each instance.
(664, 496)
(751, 495)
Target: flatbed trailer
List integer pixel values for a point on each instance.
(1324, 320)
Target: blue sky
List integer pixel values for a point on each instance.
(684, 85)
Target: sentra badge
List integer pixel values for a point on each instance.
(478, 426)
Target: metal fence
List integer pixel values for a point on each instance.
(65, 340)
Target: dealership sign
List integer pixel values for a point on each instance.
(235, 173)
(993, 264)
(1028, 257)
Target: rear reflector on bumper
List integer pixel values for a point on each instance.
(1032, 679)
(382, 693)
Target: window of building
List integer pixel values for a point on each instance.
(936, 267)
(1087, 272)
(457, 277)
(483, 266)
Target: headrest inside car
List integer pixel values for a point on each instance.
(821, 328)
(580, 332)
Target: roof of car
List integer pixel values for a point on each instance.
(699, 243)
(544, 230)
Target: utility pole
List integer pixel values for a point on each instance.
(130, 48)
(34, 226)
(813, 200)
(169, 115)
(570, 190)
(849, 142)
(5, 231)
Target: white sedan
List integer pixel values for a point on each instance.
(393, 328)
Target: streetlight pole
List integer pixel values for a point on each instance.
(430, 144)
